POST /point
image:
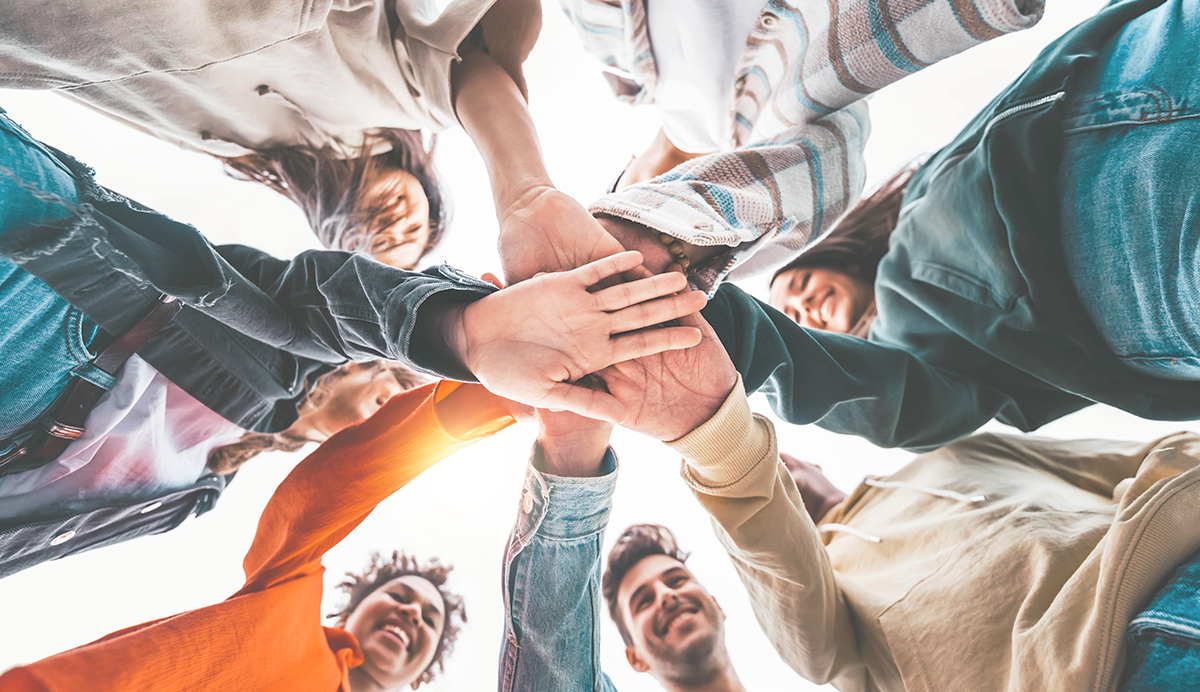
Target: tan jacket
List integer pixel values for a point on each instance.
(230, 76)
(1029, 588)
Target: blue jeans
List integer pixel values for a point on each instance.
(1165, 638)
(1130, 199)
(43, 339)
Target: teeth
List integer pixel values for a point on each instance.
(395, 629)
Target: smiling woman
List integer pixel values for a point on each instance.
(403, 618)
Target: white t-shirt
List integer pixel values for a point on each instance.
(145, 438)
(697, 46)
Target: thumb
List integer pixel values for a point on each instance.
(493, 280)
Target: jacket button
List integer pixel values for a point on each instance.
(527, 501)
(62, 538)
(702, 226)
(262, 89)
(768, 20)
(205, 135)
(740, 83)
(150, 508)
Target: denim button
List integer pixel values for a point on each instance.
(62, 538)
(150, 508)
(527, 501)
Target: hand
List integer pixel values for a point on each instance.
(528, 341)
(670, 394)
(817, 493)
(545, 230)
(572, 445)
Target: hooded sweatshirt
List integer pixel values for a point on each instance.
(997, 563)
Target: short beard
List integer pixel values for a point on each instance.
(698, 664)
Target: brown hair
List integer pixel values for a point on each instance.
(226, 459)
(859, 240)
(380, 572)
(637, 542)
(328, 187)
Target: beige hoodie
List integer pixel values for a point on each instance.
(230, 76)
(995, 563)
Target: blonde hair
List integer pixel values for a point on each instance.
(226, 459)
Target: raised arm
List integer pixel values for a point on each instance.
(541, 229)
(732, 464)
(850, 385)
(331, 491)
(552, 565)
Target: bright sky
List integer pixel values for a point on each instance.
(463, 509)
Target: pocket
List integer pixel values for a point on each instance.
(961, 284)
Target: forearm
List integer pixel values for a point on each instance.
(333, 489)
(552, 582)
(732, 464)
(495, 116)
(850, 385)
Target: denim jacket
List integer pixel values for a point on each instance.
(254, 327)
(551, 586)
(977, 315)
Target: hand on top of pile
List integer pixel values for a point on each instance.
(530, 341)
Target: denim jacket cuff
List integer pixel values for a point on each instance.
(566, 508)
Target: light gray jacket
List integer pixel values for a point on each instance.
(230, 76)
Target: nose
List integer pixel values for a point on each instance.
(410, 612)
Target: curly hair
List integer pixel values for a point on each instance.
(226, 459)
(636, 543)
(329, 186)
(380, 571)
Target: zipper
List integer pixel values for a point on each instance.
(1021, 108)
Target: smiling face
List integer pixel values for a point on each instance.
(398, 626)
(821, 298)
(351, 398)
(676, 627)
(403, 222)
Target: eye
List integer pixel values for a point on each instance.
(804, 283)
(429, 621)
(397, 597)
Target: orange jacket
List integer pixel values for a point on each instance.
(268, 636)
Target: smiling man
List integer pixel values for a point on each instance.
(672, 626)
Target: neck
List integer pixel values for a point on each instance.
(360, 681)
(308, 427)
(725, 681)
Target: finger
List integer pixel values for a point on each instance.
(493, 280)
(595, 272)
(584, 402)
(624, 295)
(651, 341)
(655, 312)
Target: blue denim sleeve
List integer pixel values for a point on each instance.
(552, 583)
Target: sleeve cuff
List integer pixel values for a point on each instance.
(727, 446)
(568, 508)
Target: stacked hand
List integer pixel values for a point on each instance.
(530, 341)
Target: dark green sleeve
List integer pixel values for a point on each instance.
(849, 385)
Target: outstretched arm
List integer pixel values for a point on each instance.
(552, 566)
(333, 490)
(541, 229)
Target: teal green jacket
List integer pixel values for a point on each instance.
(977, 316)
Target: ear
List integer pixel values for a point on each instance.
(635, 660)
(719, 608)
(416, 683)
(493, 280)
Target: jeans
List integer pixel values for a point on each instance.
(1130, 200)
(1165, 637)
(43, 339)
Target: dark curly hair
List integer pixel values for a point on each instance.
(637, 542)
(380, 571)
(328, 186)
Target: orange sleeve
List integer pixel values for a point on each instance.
(333, 490)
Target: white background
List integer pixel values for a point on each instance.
(463, 509)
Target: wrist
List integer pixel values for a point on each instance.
(514, 191)
(572, 455)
